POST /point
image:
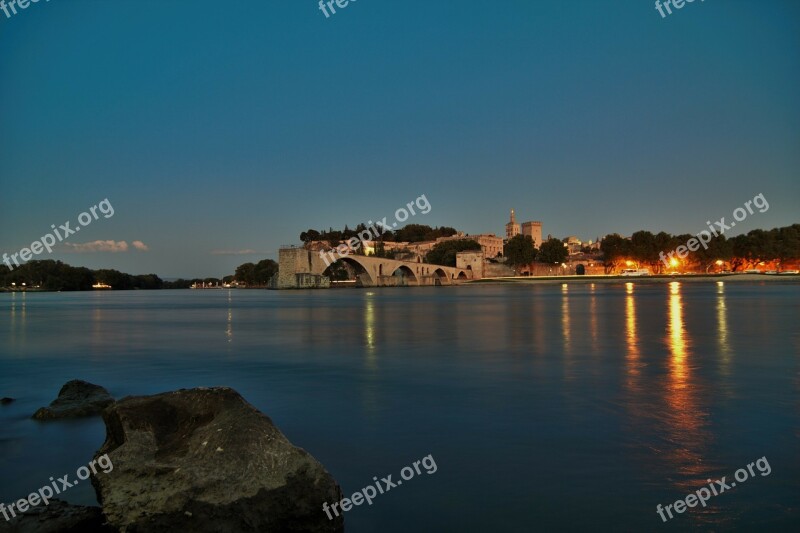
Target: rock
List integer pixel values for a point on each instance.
(76, 399)
(205, 460)
(58, 517)
(6, 401)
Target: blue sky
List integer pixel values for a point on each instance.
(214, 126)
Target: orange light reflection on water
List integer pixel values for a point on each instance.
(685, 420)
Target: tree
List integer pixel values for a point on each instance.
(643, 248)
(334, 238)
(257, 274)
(147, 282)
(116, 279)
(310, 235)
(50, 275)
(741, 251)
(615, 249)
(788, 243)
(445, 252)
(263, 271)
(552, 251)
(380, 251)
(181, 283)
(245, 273)
(422, 232)
(718, 248)
(520, 250)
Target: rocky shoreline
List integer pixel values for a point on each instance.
(199, 459)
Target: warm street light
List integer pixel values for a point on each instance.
(718, 262)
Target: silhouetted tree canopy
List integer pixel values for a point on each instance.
(520, 250)
(743, 251)
(257, 274)
(57, 276)
(445, 252)
(552, 251)
(408, 233)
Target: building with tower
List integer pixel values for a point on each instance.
(534, 231)
(512, 228)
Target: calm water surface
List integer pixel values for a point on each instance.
(545, 407)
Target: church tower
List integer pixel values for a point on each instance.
(512, 228)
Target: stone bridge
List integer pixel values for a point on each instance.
(302, 268)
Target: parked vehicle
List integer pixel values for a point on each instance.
(635, 272)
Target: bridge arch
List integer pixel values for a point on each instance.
(359, 269)
(404, 272)
(442, 276)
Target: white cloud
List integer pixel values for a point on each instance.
(97, 246)
(139, 245)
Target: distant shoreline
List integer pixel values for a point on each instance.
(537, 280)
(541, 280)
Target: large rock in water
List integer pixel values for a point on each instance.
(206, 460)
(76, 399)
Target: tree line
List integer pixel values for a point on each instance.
(53, 275)
(745, 251)
(255, 274)
(520, 251)
(408, 233)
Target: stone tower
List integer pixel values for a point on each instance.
(512, 228)
(534, 230)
